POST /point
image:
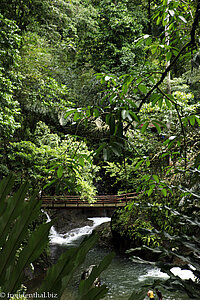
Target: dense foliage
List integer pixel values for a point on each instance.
(103, 97)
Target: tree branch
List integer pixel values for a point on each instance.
(191, 43)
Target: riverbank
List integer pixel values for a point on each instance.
(123, 277)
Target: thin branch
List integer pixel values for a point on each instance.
(191, 43)
(164, 74)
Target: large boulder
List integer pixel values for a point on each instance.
(68, 219)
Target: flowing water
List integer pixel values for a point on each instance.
(123, 277)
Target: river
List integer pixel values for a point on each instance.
(122, 277)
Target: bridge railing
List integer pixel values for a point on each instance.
(76, 201)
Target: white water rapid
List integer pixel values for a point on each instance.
(156, 273)
(72, 237)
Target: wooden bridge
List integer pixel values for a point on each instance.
(103, 201)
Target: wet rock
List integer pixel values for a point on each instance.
(68, 219)
(105, 236)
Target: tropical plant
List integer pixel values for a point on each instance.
(15, 217)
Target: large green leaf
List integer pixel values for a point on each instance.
(35, 245)
(18, 234)
(6, 185)
(59, 275)
(14, 205)
(95, 293)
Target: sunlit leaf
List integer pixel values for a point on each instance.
(155, 177)
(60, 171)
(148, 162)
(139, 164)
(69, 112)
(183, 19)
(164, 192)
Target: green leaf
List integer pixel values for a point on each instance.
(154, 98)
(81, 161)
(133, 104)
(69, 112)
(142, 88)
(134, 116)
(6, 185)
(192, 120)
(144, 127)
(112, 97)
(149, 192)
(168, 103)
(185, 121)
(35, 245)
(115, 148)
(158, 21)
(160, 102)
(138, 189)
(168, 56)
(96, 113)
(147, 162)
(169, 170)
(76, 116)
(14, 206)
(119, 129)
(108, 119)
(198, 120)
(165, 154)
(95, 293)
(157, 127)
(50, 183)
(101, 147)
(154, 49)
(155, 177)
(138, 164)
(16, 236)
(164, 192)
(60, 171)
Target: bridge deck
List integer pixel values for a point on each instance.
(102, 201)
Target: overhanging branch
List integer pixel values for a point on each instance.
(191, 43)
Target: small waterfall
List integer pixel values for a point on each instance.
(74, 236)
